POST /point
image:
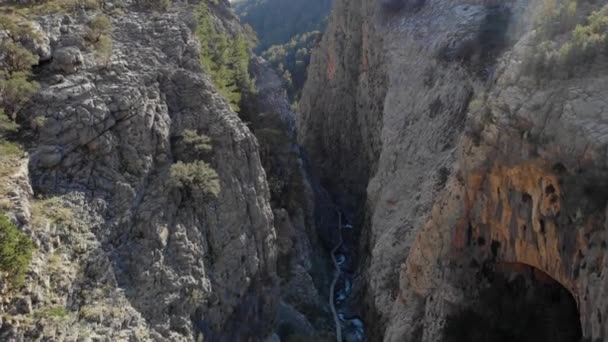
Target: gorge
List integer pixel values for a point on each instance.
(442, 176)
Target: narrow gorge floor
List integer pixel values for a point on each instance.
(349, 327)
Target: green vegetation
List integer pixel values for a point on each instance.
(7, 126)
(16, 86)
(291, 60)
(199, 143)
(225, 58)
(95, 312)
(193, 146)
(557, 16)
(10, 153)
(278, 21)
(288, 31)
(16, 27)
(587, 42)
(564, 48)
(476, 105)
(37, 7)
(16, 89)
(195, 296)
(191, 171)
(196, 175)
(55, 312)
(9, 149)
(15, 251)
(99, 30)
(98, 26)
(51, 210)
(18, 59)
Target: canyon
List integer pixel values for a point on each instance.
(442, 179)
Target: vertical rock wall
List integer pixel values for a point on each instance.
(139, 259)
(470, 160)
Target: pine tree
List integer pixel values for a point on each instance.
(226, 61)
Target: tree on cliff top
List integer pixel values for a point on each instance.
(225, 58)
(277, 21)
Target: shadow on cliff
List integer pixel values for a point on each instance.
(516, 303)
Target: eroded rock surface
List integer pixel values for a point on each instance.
(132, 257)
(466, 161)
(302, 262)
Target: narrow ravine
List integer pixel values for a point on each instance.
(337, 273)
(349, 327)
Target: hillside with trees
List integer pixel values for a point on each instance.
(290, 60)
(277, 21)
(287, 32)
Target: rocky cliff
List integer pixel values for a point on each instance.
(468, 137)
(127, 247)
(300, 206)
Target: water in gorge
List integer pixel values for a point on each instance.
(352, 327)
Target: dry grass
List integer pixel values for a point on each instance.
(52, 7)
(51, 210)
(10, 156)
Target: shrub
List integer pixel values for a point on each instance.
(98, 33)
(98, 26)
(17, 57)
(17, 90)
(193, 146)
(476, 105)
(196, 175)
(103, 49)
(557, 16)
(589, 41)
(7, 125)
(17, 28)
(195, 296)
(38, 122)
(15, 251)
(584, 44)
(199, 143)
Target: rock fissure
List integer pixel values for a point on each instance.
(332, 287)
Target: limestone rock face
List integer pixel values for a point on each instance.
(122, 253)
(67, 60)
(341, 107)
(475, 163)
(301, 266)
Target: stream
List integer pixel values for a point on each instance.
(352, 328)
(343, 255)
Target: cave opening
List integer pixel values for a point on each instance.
(515, 302)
